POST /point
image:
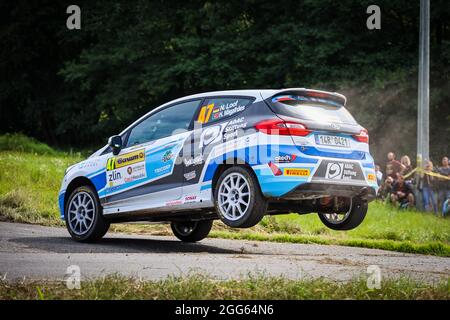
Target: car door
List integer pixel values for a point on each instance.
(148, 172)
(210, 129)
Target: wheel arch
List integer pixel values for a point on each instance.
(75, 183)
(228, 163)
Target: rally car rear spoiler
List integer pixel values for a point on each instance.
(335, 97)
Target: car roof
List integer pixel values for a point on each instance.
(249, 92)
(258, 94)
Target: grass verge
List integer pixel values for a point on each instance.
(434, 248)
(202, 287)
(32, 173)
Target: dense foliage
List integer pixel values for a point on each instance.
(76, 87)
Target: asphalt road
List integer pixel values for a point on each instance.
(37, 252)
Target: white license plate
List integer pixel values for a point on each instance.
(335, 141)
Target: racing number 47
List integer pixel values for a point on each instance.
(205, 113)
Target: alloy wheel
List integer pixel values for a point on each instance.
(234, 196)
(81, 212)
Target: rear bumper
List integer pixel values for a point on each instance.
(303, 180)
(318, 190)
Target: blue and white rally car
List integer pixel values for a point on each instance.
(233, 155)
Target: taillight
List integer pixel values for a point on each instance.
(363, 136)
(283, 128)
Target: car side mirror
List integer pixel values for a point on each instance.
(115, 142)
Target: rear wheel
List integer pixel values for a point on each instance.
(238, 198)
(191, 231)
(83, 216)
(347, 220)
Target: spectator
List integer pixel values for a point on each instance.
(386, 189)
(446, 208)
(406, 165)
(443, 184)
(392, 166)
(402, 193)
(426, 185)
(379, 174)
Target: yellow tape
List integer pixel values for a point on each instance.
(434, 174)
(422, 171)
(409, 174)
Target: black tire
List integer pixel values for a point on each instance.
(95, 230)
(191, 231)
(257, 204)
(354, 218)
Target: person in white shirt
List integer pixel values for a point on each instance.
(379, 174)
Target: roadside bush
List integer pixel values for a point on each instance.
(22, 143)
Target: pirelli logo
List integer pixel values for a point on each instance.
(125, 159)
(295, 172)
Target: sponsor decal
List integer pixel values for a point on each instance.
(188, 199)
(168, 155)
(88, 164)
(231, 135)
(371, 177)
(190, 175)
(114, 176)
(112, 189)
(334, 171)
(125, 168)
(210, 135)
(197, 160)
(296, 172)
(335, 126)
(162, 169)
(285, 159)
(231, 130)
(340, 171)
(135, 172)
(235, 124)
(122, 175)
(125, 159)
(174, 203)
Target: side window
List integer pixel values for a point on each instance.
(220, 108)
(163, 123)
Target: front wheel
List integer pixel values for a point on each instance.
(348, 220)
(191, 231)
(83, 215)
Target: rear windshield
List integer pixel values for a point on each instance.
(319, 110)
